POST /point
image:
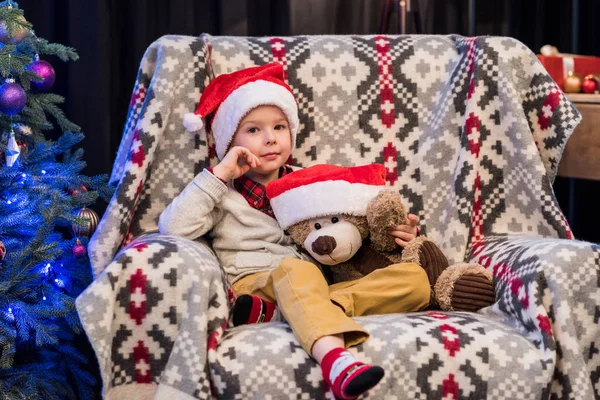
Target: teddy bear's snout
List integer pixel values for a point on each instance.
(324, 245)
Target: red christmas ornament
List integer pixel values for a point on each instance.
(23, 147)
(77, 191)
(79, 250)
(2, 251)
(590, 84)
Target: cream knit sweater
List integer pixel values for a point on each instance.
(245, 239)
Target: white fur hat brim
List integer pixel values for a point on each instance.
(243, 100)
(320, 199)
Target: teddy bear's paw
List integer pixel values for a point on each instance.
(428, 255)
(465, 287)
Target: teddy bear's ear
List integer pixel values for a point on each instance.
(299, 232)
(385, 211)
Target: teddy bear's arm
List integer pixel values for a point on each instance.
(345, 272)
(367, 259)
(385, 211)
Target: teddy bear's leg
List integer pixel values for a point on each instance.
(465, 287)
(426, 253)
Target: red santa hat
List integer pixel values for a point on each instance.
(230, 97)
(323, 190)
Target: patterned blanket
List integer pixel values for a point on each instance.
(471, 131)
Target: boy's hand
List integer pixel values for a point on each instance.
(405, 233)
(236, 163)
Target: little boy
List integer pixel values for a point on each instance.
(253, 116)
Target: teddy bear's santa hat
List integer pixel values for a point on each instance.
(230, 97)
(323, 190)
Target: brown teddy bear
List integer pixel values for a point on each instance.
(341, 216)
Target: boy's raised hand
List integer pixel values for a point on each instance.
(236, 163)
(405, 233)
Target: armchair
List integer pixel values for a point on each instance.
(471, 131)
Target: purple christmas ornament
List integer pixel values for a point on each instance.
(12, 98)
(79, 250)
(44, 70)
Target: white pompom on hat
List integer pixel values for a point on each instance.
(230, 97)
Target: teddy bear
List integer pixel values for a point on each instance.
(340, 216)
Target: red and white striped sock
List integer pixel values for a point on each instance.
(250, 309)
(348, 377)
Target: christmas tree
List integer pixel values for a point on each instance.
(44, 223)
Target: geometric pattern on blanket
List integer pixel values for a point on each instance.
(549, 290)
(150, 315)
(471, 131)
(425, 356)
(547, 300)
(507, 352)
(433, 355)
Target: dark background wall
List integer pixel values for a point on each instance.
(112, 35)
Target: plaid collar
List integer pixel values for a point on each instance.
(255, 193)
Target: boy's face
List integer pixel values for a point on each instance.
(265, 132)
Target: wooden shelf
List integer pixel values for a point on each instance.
(584, 98)
(581, 158)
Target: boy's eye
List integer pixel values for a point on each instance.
(280, 127)
(252, 130)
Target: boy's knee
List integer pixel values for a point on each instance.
(420, 290)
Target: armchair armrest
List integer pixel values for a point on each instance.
(152, 310)
(549, 289)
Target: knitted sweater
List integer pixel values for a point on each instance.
(245, 239)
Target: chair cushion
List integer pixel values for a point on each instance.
(424, 355)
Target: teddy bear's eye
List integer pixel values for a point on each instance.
(317, 226)
(335, 220)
